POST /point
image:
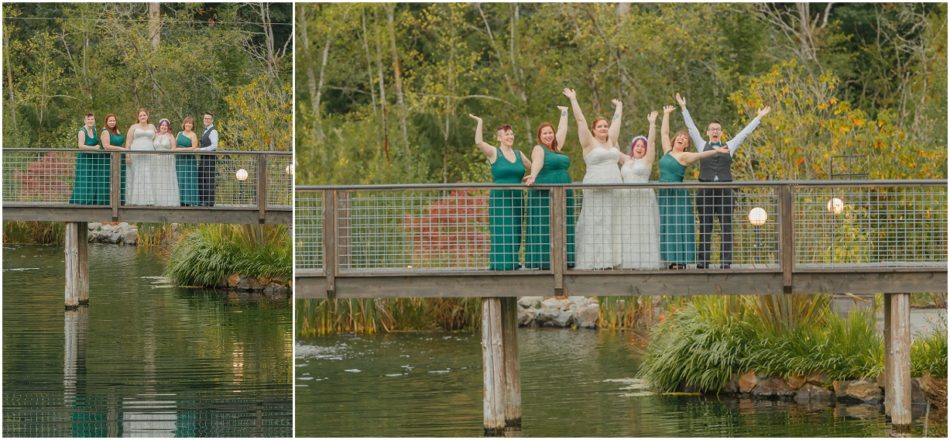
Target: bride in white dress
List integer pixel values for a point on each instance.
(151, 178)
(599, 223)
(640, 236)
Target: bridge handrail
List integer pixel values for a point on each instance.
(77, 150)
(651, 184)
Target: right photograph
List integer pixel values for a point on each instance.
(620, 220)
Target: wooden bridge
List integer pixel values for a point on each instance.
(77, 187)
(860, 237)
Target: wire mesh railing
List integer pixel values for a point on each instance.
(654, 226)
(63, 177)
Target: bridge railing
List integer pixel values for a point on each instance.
(776, 227)
(72, 177)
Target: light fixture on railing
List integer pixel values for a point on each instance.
(241, 176)
(758, 217)
(835, 206)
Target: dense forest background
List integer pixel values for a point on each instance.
(383, 90)
(175, 59)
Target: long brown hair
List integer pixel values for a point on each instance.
(678, 133)
(113, 130)
(554, 146)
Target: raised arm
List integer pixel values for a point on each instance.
(583, 131)
(487, 149)
(665, 129)
(651, 138)
(613, 132)
(537, 162)
(561, 135)
(694, 134)
(688, 157)
(734, 143)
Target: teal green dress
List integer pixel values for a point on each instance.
(91, 181)
(117, 140)
(538, 238)
(186, 167)
(677, 227)
(505, 210)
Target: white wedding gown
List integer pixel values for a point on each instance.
(599, 223)
(640, 235)
(151, 179)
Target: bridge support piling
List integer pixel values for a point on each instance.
(77, 265)
(897, 390)
(493, 373)
(509, 331)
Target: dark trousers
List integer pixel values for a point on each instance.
(206, 172)
(715, 203)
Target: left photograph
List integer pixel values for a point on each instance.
(147, 206)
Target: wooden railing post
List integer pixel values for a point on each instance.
(329, 241)
(261, 187)
(558, 249)
(115, 183)
(787, 238)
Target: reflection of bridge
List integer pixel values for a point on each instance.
(862, 237)
(76, 187)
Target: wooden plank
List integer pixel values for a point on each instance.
(103, 214)
(786, 236)
(888, 396)
(329, 242)
(261, 188)
(899, 365)
(616, 283)
(493, 374)
(509, 331)
(310, 288)
(82, 243)
(72, 265)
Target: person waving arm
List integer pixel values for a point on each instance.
(734, 143)
(694, 133)
(490, 151)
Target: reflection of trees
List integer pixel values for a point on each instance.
(138, 353)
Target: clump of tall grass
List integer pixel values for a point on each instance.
(929, 354)
(210, 253)
(34, 232)
(713, 339)
(368, 316)
(625, 312)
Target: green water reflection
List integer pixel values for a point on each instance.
(574, 384)
(144, 358)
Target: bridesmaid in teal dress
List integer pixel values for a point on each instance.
(505, 206)
(549, 166)
(186, 165)
(90, 186)
(112, 139)
(677, 226)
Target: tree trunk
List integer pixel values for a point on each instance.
(369, 62)
(382, 98)
(6, 56)
(154, 24)
(397, 73)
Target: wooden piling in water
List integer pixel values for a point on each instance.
(509, 331)
(493, 367)
(77, 265)
(888, 395)
(898, 385)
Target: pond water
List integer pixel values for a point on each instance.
(574, 384)
(145, 358)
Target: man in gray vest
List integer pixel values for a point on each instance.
(207, 162)
(715, 202)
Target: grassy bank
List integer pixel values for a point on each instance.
(710, 340)
(209, 254)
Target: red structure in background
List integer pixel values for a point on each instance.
(452, 229)
(45, 178)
